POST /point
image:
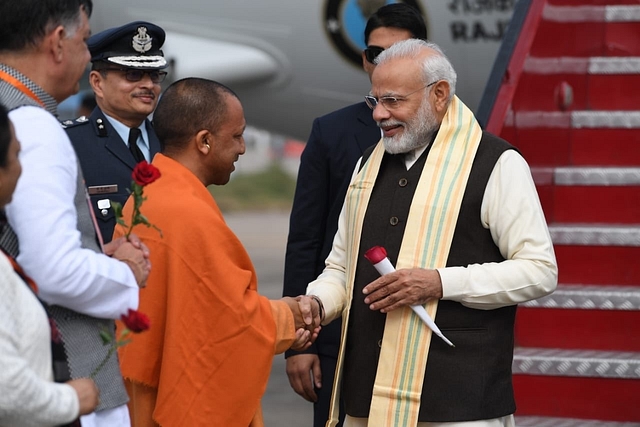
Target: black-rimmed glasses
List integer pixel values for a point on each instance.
(372, 52)
(133, 75)
(391, 102)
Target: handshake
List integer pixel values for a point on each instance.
(307, 315)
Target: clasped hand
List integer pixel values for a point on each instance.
(411, 286)
(307, 321)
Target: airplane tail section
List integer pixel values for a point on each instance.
(565, 90)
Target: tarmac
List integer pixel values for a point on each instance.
(264, 236)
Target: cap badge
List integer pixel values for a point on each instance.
(141, 41)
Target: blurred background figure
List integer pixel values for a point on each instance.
(28, 395)
(126, 72)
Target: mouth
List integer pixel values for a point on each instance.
(390, 129)
(145, 97)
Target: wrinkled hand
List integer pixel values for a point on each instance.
(88, 394)
(411, 286)
(135, 254)
(305, 312)
(299, 368)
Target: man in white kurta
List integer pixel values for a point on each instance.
(470, 283)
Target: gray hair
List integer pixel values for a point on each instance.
(434, 67)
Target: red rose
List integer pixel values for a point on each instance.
(145, 173)
(375, 254)
(136, 321)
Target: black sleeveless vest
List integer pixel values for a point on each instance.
(473, 380)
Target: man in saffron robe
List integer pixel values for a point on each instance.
(206, 359)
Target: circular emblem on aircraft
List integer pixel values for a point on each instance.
(345, 20)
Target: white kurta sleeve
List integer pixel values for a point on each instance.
(44, 217)
(512, 212)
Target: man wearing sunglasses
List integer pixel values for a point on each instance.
(127, 69)
(336, 143)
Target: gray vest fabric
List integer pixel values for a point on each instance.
(473, 380)
(80, 333)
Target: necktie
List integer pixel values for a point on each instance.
(134, 133)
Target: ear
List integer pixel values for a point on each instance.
(95, 81)
(203, 141)
(441, 94)
(54, 43)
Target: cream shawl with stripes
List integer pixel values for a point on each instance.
(426, 243)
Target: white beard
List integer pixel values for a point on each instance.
(418, 131)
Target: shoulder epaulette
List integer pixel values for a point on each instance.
(73, 123)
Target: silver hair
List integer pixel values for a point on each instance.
(434, 67)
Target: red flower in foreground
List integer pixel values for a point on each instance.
(375, 254)
(135, 321)
(145, 173)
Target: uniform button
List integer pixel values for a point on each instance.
(402, 182)
(380, 343)
(393, 220)
(104, 212)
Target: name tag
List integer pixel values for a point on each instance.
(103, 189)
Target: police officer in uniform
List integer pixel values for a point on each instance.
(127, 69)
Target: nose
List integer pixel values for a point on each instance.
(380, 113)
(242, 146)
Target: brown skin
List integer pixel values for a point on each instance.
(88, 394)
(128, 102)
(10, 173)
(56, 63)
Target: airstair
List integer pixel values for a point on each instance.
(565, 90)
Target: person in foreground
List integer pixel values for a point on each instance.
(207, 357)
(43, 54)
(457, 210)
(28, 395)
(336, 143)
(126, 71)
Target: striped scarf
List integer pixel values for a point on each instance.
(426, 243)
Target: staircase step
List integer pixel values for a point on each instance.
(575, 137)
(607, 147)
(569, 422)
(576, 363)
(590, 297)
(582, 316)
(596, 83)
(600, 30)
(576, 397)
(568, 194)
(583, 384)
(577, 328)
(597, 254)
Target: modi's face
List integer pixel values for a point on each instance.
(418, 130)
(403, 111)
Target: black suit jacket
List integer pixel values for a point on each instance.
(336, 143)
(106, 161)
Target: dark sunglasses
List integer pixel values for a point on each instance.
(372, 52)
(134, 75)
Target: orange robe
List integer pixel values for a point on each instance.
(206, 359)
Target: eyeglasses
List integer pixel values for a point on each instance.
(372, 52)
(134, 75)
(391, 102)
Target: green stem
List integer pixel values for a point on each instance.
(104, 362)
